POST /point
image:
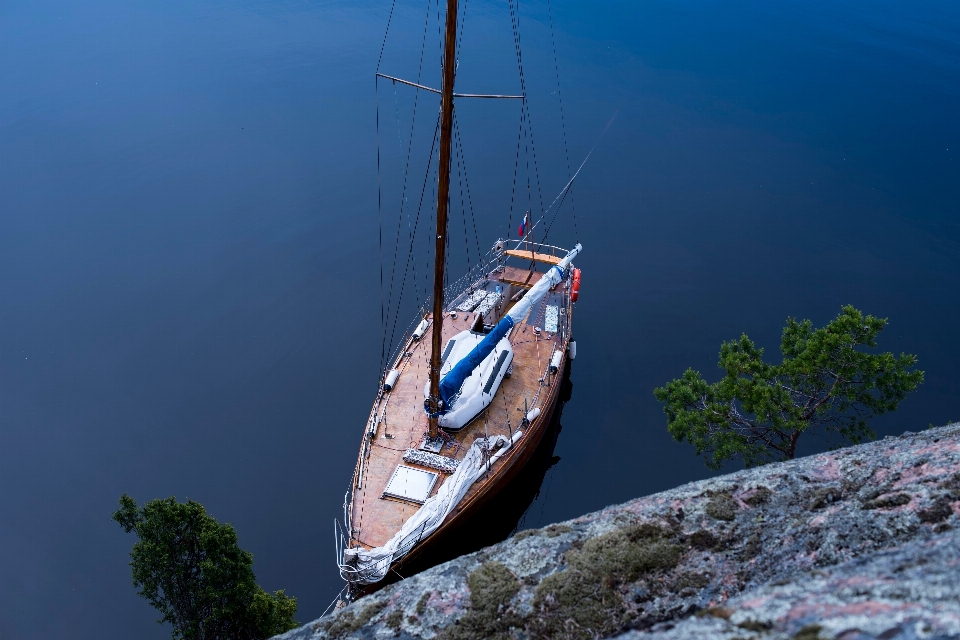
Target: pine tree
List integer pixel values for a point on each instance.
(191, 568)
(828, 382)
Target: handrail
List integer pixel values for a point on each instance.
(537, 245)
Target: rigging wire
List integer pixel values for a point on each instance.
(563, 125)
(526, 156)
(386, 32)
(525, 103)
(569, 184)
(516, 168)
(463, 205)
(405, 200)
(416, 224)
(525, 142)
(396, 248)
(383, 318)
(466, 180)
(463, 24)
(440, 39)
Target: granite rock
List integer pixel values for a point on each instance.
(904, 593)
(858, 541)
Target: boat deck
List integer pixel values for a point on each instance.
(401, 422)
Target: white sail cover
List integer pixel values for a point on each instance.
(367, 566)
(453, 384)
(480, 386)
(544, 284)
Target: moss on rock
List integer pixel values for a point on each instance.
(691, 580)
(722, 507)
(752, 547)
(939, 511)
(348, 622)
(702, 539)
(526, 533)
(760, 495)
(755, 625)
(887, 502)
(823, 497)
(809, 632)
(394, 620)
(570, 606)
(492, 586)
(422, 603)
(624, 554)
(583, 601)
(952, 485)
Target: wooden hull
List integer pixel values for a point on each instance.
(458, 535)
(397, 424)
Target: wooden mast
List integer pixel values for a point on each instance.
(443, 191)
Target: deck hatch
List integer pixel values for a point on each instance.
(489, 302)
(446, 352)
(473, 300)
(409, 483)
(551, 317)
(496, 370)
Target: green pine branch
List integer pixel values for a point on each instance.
(193, 571)
(829, 382)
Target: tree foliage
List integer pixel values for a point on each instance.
(191, 568)
(827, 382)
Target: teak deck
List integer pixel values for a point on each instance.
(400, 421)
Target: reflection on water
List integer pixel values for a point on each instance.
(500, 517)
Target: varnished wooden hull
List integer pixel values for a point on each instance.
(444, 544)
(397, 424)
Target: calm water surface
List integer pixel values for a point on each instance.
(189, 267)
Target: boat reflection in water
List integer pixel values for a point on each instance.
(496, 520)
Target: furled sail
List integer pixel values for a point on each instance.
(480, 386)
(368, 566)
(450, 384)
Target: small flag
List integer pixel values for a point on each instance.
(522, 228)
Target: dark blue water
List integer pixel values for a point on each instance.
(189, 271)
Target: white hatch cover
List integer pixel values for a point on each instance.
(408, 483)
(551, 317)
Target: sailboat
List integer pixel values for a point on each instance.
(462, 407)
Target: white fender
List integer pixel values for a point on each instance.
(421, 329)
(391, 380)
(555, 361)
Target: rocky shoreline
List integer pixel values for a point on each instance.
(856, 543)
